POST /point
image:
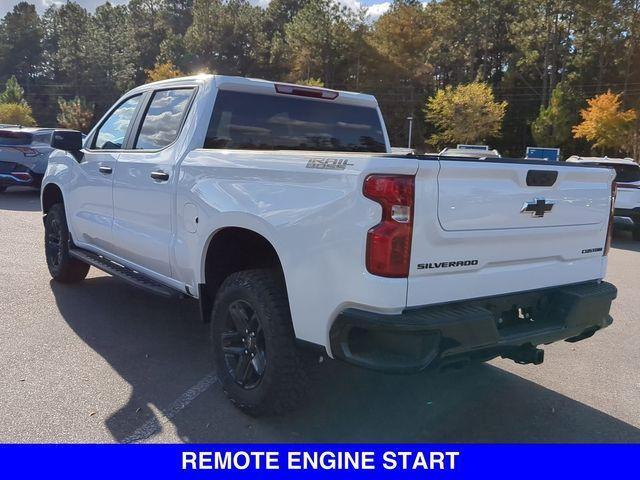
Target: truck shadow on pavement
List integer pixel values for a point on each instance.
(160, 348)
(20, 200)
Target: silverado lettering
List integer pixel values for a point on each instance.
(456, 263)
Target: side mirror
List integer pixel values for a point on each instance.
(69, 140)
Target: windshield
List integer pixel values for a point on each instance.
(9, 138)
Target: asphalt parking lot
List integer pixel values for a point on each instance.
(103, 362)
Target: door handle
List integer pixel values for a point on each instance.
(105, 170)
(160, 176)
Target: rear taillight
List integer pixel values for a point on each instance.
(607, 245)
(27, 151)
(24, 176)
(389, 242)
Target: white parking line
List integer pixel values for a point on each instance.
(154, 425)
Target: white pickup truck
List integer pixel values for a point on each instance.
(282, 209)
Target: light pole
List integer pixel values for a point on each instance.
(410, 129)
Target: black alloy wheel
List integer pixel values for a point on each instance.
(255, 353)
(53, 242)
(62, 266)
(243, 345)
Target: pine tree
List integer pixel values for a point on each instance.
(13, 92)
(553, 126)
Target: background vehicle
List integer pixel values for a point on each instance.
(24, 153)
(402, 150)
(282, 209)
(469, 153)
(628, 186)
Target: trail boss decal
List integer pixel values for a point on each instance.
(329, 163)
(457, 263)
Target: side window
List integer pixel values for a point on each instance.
(164, 116)
(111, 134)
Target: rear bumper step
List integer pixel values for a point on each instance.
(509, 325)
(128, 275)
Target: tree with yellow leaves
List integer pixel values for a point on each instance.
(465, 114)
(605, 125)
(16, 114)
(163, 71)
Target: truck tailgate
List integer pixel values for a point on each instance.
(485, 228)
(489, 196)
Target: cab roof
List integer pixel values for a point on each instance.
(257, 85)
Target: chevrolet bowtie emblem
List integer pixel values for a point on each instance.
(538, 207)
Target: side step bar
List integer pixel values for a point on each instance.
(128, 275)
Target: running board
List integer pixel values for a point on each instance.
(120, 271)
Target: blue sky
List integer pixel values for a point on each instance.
(375, 7)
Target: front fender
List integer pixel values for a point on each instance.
(59, 172)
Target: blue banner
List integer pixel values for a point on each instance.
(317, 461)
(542, 153)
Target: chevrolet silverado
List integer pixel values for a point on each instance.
(283, 211)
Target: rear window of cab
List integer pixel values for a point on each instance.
(274, 122)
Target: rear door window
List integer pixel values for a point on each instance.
(163, 119)
(272, 122)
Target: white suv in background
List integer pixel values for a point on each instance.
(628, 183)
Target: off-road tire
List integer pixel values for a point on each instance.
(63, 267)
(284, 380)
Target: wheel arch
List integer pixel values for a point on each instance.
(229, 250)
(51, 194)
